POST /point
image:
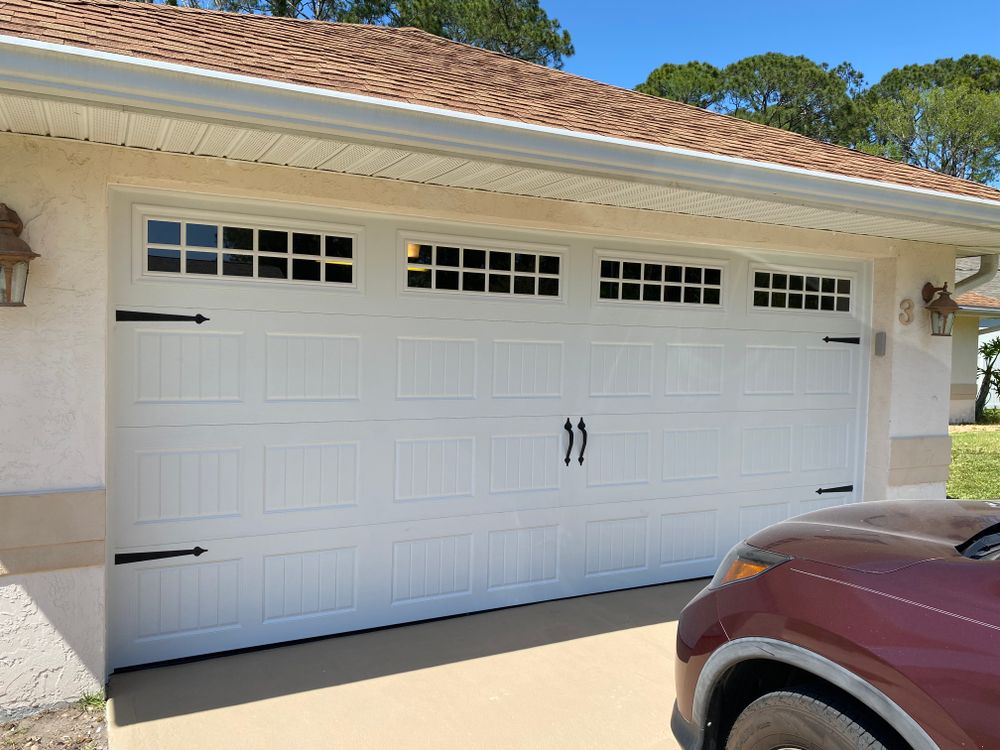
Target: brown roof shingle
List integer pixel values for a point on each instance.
(413, 66)
(973, 299)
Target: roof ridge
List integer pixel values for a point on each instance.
(146, 5)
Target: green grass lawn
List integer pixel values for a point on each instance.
(975, 462)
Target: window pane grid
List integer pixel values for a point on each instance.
(779, 290)
(198, 248)
(508, 273)
(668, 282)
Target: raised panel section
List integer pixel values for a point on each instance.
(688, 536)
(829, 372)
(431, 568)
(615, 545)
(824, 446)
(523, 463)
(694, 369)
(690, 454)
(753, 518)
(767, 450)
(436, 368)
(184, 599)
(188, 366)
(621, 369)
(521, 557)
(618, 458)
(307, 584)
(770, 370)
(174, 485)
(434, 468)
(527, 369)
(301, 477)
(313, 368)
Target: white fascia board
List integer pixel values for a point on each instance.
(972, 311)
(136, 84)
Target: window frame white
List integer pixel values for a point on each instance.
(603, 253)
(405, 237)
(142, 213)
(751, 287)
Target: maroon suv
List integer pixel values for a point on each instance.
(873, 626)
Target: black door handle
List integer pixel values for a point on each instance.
(583, 448)
(569, 428)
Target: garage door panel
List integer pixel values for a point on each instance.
(253, 590)
(217, 482)
(661, 455)
(247, 372)
(250, 369)
(303, 584)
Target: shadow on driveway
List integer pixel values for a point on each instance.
(452, 677)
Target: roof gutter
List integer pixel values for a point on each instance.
(988, 265)
(135, 84)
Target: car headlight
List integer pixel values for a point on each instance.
(744, 562)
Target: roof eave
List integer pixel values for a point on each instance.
(972, 311)
(138, 84)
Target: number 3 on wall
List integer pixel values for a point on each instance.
(906, 312)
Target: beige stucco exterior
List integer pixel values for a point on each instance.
(53, 384)
(964, 374)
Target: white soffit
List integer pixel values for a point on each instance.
(120, 127)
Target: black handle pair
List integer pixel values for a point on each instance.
(583, 448)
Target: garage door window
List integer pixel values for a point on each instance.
(779, 290)
(482, 270)
(657, 282)
(198, 248)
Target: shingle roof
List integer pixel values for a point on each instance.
(413, 66)
(974, 299)
(988, 295)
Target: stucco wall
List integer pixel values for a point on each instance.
(52, 394)
(920, 394)
(964, 372)
(48, 649)
(52, 390)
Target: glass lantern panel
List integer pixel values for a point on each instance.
(19, 280)
(942, 323)
(937, 323)
(949, 323)
(3, 284)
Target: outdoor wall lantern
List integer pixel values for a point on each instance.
(15, 255)
(942, 309)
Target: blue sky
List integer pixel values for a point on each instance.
(623, 45)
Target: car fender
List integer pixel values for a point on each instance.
(744, 649)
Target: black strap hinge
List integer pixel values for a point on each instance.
(133, 557)
(842, 488)
(842, 339)
(139, 315)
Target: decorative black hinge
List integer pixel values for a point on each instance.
(133, 557)
(138, 315)
(842, 340)
(842, 488)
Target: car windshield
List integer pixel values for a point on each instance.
(983, 546)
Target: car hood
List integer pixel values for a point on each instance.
(880, 537)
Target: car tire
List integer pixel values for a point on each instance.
(799, 720)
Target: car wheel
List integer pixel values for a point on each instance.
(789, 720)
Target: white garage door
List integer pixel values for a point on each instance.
(373, 425)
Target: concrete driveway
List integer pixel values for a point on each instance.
(592, 672)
